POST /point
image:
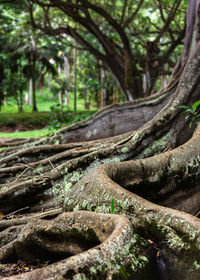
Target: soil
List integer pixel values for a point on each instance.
(20, 127)
(7, 270)
(11, 269)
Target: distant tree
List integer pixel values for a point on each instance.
(25, 52)
(131, 39)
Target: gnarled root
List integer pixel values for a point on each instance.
(170, 179)
(82, 243)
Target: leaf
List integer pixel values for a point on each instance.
(187, 117)
(26, 268)
(113, 206)
(195, 105)
(189, 111)
(183, 107)
(182, 113)
(2, 266)
(1, 214)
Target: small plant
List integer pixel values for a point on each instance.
(192, 114)
(54, 117)
(47, 262)
(113, 206)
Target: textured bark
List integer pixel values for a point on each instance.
(7, 141)
(68, 177)
(122, 207)
(86, 241)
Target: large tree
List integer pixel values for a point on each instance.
(137, 193)
(126, 38)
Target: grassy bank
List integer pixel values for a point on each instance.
(34, 124)
(23, 134)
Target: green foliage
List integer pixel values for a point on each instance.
(113, 206)
(117, 24)
(55, 117)
(22, 45)
(80, 116)
(192, 113)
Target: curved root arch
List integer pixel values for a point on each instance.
(89, 244)
(49, 173)
(170, 179)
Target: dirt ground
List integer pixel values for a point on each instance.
(19, 127)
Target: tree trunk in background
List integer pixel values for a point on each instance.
(41, 82)
(1, 80)
(21, 101)
(103, 90)
(66, 69)
(30, 98)
(34, 106)
(26, 97)
(75, 77)
(86, 101)
(33, 60)
(60, 93)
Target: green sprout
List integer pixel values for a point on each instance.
(192, 114)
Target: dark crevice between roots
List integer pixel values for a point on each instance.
(51, 246)
(170, 192)
(24, 197)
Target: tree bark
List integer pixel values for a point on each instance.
(66, 70)
(63, 175)
(119, 208)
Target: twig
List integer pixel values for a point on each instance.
(51, 163)
(22, 173)
(197, 214)
(15, 212)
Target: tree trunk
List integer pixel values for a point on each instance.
(33, 60)
(1, 80)
(103, 89)
(21, 101)
(75, 77)
(119, 208)
(66, 70)
(34, 106)
(30, 99)
(129, 81)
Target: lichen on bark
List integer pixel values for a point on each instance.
(116, 208)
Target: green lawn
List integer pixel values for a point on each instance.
(44, 102)
(9, 116)
(22, 134)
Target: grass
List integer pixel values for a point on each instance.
(24, 134)
(10, 118)
(29, 121)
(44, 102)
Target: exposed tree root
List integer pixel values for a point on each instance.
(6, 142)
(111, 248)
(97, 177)
(167, 179)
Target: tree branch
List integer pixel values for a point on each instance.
(161, 10)
(169, 20)
(134, 14)
(123, 11)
